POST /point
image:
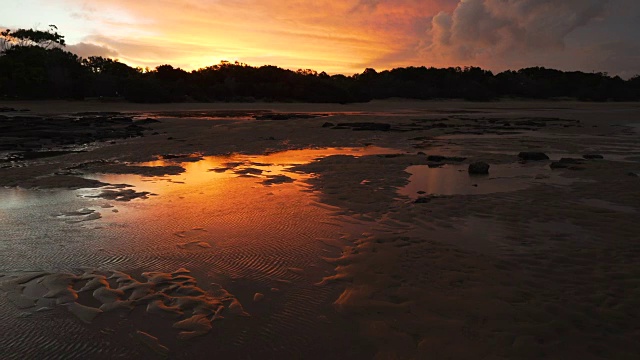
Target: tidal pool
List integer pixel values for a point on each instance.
(236, 228)
(455, 179)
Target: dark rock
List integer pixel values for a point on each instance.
(533, 156)
(328, 124)
(479, 168)
(633, 174)
(593, 156)
(421, 153)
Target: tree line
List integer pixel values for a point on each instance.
(34, 65)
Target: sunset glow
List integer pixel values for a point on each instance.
(346, 36)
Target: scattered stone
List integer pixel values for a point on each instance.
(533, 156)
(479, 168)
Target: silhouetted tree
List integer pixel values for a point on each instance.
(33, 64)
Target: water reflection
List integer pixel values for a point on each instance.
(455, 179)
(268, 169)
(224, 226)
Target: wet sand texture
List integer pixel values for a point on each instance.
(352, 234)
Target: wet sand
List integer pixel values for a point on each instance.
(317, 231)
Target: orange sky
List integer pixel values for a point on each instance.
(347, 36)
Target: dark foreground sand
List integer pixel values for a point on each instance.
(287, 256)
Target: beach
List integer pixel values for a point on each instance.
(268, 230)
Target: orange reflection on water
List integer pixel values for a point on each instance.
(220, 169)
(229, 190)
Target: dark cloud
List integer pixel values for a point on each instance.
(477, 27)
(85, 50)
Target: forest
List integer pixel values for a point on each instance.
(35, 65)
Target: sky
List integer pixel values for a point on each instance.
(346, 36)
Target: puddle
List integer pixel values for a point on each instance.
(455, 179)
(269, 169)
(217, 219)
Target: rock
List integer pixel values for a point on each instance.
(533, 156)
(328, 124)
(479, 168)
(592, 156)
(258, 297)
(422, 200)
(633, 174)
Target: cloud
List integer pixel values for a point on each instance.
(85, 49)
(350, 35)
(477, 28)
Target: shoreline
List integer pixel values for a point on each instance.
(63, 106)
